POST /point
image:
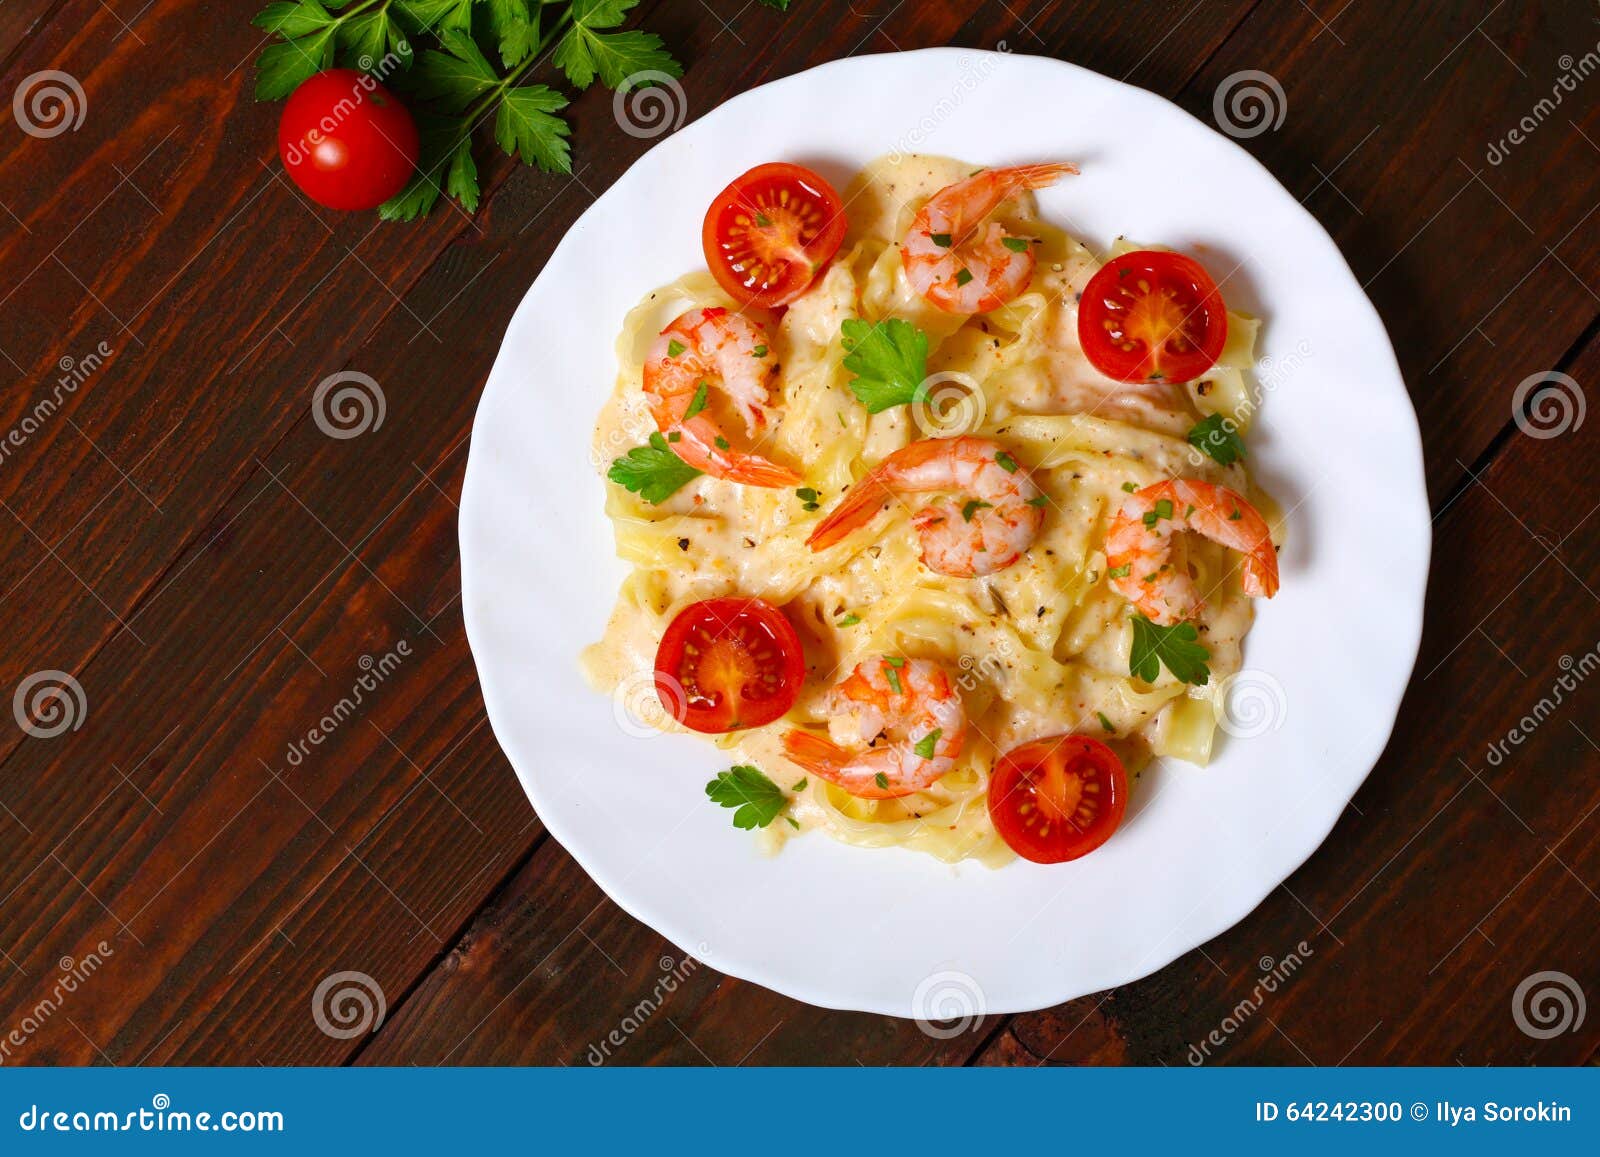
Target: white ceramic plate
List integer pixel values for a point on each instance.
(890, 931)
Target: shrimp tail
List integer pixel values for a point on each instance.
(758, 471)
(827, 760)
(1043, 176)
(854, 512)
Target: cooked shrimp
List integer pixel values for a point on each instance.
(960, 262)
(1139, 545)
(702, 350)
(911, 704)
(988, 524)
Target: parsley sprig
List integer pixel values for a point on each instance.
(1219, 437)
(652, 472)
(746, 788)
(1177, 648)
(889, 359)
(437, 53)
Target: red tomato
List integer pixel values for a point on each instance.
(346, 141)
(725, 664)
(1152, 316)
(1057, 799)
(767, 235)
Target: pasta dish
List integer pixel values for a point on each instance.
(939, 525)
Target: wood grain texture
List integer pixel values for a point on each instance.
(217, 572)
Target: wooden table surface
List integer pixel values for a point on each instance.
(181, 540)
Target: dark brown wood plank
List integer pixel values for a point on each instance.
(1467, 862)
(1484, 271)
(553, 972)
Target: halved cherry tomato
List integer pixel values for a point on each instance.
(1057, 799)
(725, 664)
(767, 235)
(1152, 316)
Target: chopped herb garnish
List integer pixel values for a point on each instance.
(801, 786)
(881, 780)
(1007, 462)
(1120, 571)
(1177, 648)
(652, 472)
(972, 508)
(759, 352)
(1235, 516)
(924, 746)
(849, 620)
(757, 799)
(1129, 487)
(889, 359)
(702, 395)
(963, 275)
(895, 660)
(893, 676)
(675, 436)
(1015, 244)
(792, 822)
(1219, 438)
(674, 348)
(806, 494)
(1106, 723)
(722, 443)
(1040, 501)
(941, 239)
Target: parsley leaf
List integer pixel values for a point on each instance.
(972, 507)
(525, 127)
(1015, 244)
(652, 472)
(455, 77)
(1218, 437)
(282, 67)
(515, 24)
(1177, 648)
(889, 359)
(758, 800)
(702, 395)
(289, 19)
(924, 746)
(586, 52)
(881, 780)
(780, 5)
(1105, 723)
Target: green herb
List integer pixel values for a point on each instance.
(806, 494)
(758, 800)
(1129, 487)
(792, 822)
(972, 508)
(675, 436)
(1006, 461)
(1105, 723)
(1163, 509)
(1235, 516)
(674, 348)
(924, 746)
(759, 352)
(881, 780)
(1015, 244)
(893, 677)
(889, 359)
(437, 54)
(849, 620)
(1040, 501)
(702, 395)
(896, 661)
(942, 240)
(801, 786)
(1177, 648)
(722, 443)
(652, 472)
(1218, 437)
(963, 275)
(1120, 571)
